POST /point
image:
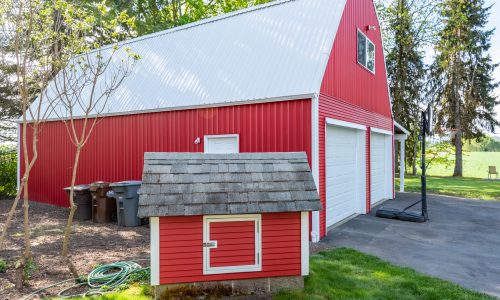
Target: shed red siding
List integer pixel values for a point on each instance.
(181, 251)
(351, 93)
(116, 149)
(235, 243)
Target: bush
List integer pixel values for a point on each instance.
(3, 265)
(8, 172)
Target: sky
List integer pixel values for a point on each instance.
(495, 49)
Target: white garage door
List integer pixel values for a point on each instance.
(381, 167)
(345, 168)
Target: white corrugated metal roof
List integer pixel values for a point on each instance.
(279, 49)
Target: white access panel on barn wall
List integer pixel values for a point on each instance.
(345, 171)
(381, 166)
(228, 143)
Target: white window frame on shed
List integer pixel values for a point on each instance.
(208, 138)
(368, 43)
(257, 267)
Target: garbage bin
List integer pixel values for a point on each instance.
(127, 202)
(103, 207)
(83, 200)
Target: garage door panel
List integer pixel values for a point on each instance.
(342, 167)
(380, 166)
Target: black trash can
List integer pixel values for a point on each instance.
(127, 202)
(83, 200)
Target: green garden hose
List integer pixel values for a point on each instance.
(102, 279)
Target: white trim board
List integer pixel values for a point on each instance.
(304, 242)
(381, 131)
(154, 225)
(330, 121)
(315, 220)
(257, 267)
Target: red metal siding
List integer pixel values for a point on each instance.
(351, 93)
(181, 251)
(344, 78)
(235, 243)
(115, 150)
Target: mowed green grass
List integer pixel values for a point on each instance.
(348, 274)
(475, 165)
(474, 184)
(461, 187)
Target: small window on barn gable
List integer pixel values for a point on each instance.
(366, 52)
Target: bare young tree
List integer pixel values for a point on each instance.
(83, 89)
(45, 37)
(22, 31)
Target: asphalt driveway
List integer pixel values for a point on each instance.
(460, 243)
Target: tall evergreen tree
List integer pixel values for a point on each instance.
(463, 74)
(408, 26)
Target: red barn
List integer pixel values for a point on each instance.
(288, 76)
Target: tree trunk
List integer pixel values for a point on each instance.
(69, 224)
(458, 172)
(414, 158)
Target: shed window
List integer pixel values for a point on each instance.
(366, 52)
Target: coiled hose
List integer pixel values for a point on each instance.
(102, 279)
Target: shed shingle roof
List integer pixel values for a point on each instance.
(183, 184)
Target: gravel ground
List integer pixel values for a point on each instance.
(91, 244)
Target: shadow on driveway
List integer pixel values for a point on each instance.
(460, 243)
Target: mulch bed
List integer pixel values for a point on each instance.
(91, 244)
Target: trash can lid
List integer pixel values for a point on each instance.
(100, 184)
(79, 188)
(126, 183)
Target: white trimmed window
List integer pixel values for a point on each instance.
(366, 52)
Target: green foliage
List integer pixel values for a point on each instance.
(29, 268)
(486, 144)
(462, 73)
(408, 27)
(153, 16)
(3, 265)
(348, 274)
(8, 172)
(438, 154)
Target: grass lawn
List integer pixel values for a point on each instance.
(460, 187)
(348, 274)
(472, 185)
(475, 165)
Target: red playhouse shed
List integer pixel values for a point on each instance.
(238, 219)
(287, 76)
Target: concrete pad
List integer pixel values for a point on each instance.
(460, 243)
